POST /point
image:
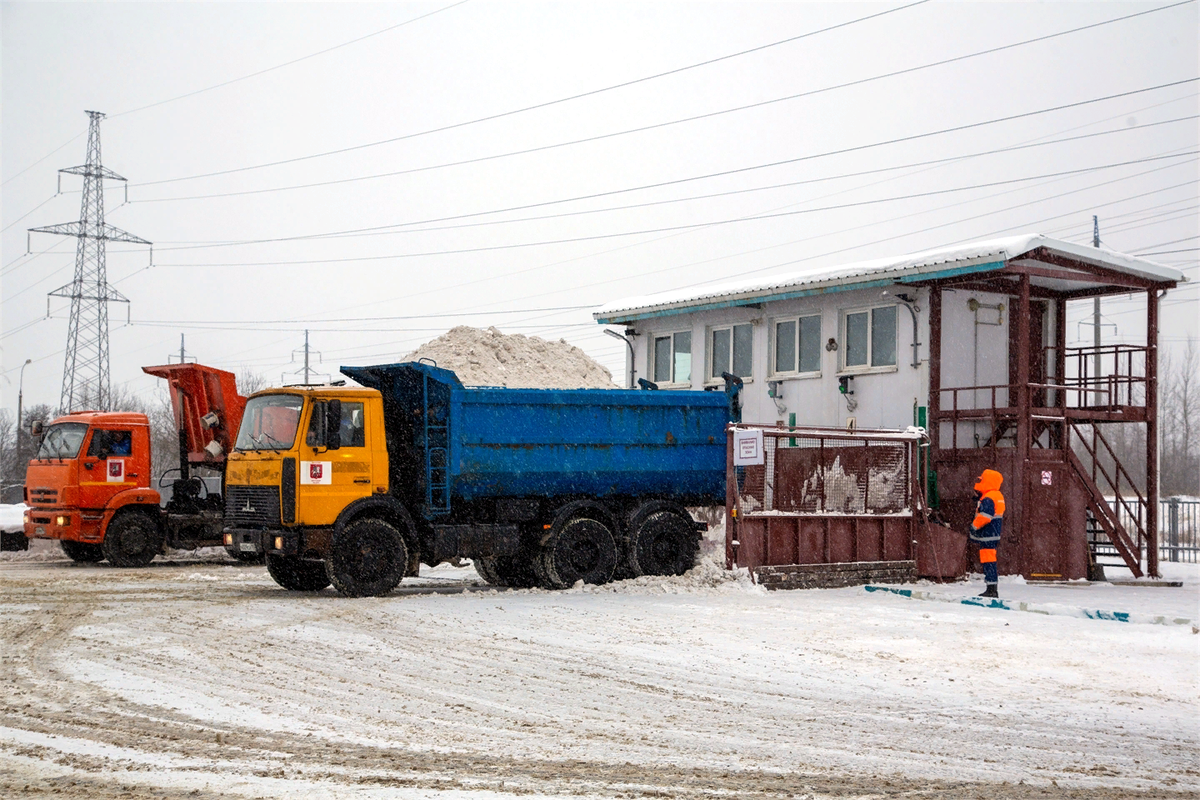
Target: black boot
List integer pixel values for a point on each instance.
(990, 591)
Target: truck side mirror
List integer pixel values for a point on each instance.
(35, 428)
(333, 425)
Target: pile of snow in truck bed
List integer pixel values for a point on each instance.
(491, 358)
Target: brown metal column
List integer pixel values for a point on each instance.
(1060, 354)
(1024, 425)
(730, 501)
(935, 366)
(1152, 433)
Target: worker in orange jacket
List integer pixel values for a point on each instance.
(985, 528)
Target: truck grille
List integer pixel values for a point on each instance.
(41, 496)
(252, 506)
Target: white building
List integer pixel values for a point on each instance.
(929, 339)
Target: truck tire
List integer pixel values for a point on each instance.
(367, 557)
(296, 574)
(82, 552)
(486, 567)
(582, 549)
(132, 540)
(519, 571)
(662, 541)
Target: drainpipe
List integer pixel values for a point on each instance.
(629, 332)
(911, 304)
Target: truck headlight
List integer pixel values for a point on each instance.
(63, 521)
(229, 540)
(278, 542)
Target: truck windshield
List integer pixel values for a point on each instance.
(62, 440)
(270, 422)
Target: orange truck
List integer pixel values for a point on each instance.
(89, 484)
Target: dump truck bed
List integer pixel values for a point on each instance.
(483, 442)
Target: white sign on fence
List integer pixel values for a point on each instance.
(748, 448)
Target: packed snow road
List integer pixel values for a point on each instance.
(204, 679)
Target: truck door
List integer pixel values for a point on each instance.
(332, 479)
(106, 467)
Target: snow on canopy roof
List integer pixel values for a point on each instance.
(992, 254)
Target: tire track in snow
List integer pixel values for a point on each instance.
(512, 692)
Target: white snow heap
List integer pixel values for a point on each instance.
(491, 358)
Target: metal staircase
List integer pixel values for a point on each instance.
(1117, 524)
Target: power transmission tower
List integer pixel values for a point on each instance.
(307, 370)
(184, 358)
(85, 370)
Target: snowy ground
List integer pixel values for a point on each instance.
(202, 678)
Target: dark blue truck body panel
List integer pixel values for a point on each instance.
(481, 442)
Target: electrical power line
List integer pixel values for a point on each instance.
(536, 106)
(287, 63)
(392, 228)
(709, 115)
(684, 227)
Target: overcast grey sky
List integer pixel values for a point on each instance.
(415, 119)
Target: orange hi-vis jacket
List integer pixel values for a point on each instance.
(989, 511)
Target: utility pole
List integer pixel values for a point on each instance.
(87, 358)
(20, 408)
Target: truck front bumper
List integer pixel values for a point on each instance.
(310, 544)
(245, 540)
(61, 523)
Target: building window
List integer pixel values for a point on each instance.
(798, 345)
(869, 336)
(673, 358)
(731, 350)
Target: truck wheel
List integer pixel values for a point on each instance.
(367, 557)
(582, 549)
(132, 540)
(486, 567)
(82, 552)
(519, 571)
(296, 574)
(662, 542)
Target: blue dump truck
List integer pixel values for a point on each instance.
(538, 487)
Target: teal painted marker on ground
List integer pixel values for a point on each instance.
(1049, 609)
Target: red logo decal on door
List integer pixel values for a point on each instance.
(314, 471)
(116, 469)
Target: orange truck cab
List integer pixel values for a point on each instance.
(90, 469)
(89, 484)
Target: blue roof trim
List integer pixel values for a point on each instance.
(620, 318)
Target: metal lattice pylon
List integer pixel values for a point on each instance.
(85, 370)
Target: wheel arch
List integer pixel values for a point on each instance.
(589, 507)
(135, 501)
(382, 507)
(644, 507)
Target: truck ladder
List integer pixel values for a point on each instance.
(437, 456)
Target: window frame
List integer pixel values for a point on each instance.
(773, 343)
(709, 379)
(843, 343)
(651, 357)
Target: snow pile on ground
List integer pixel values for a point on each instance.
(708, 577)
(491, 358)
(12, 517)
